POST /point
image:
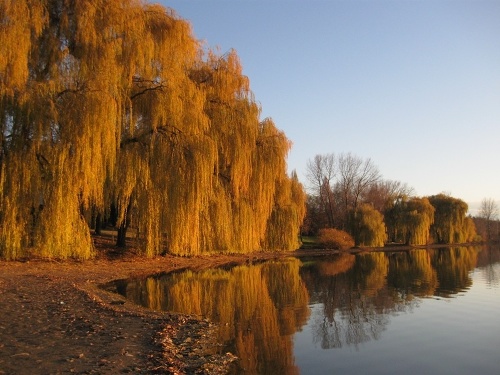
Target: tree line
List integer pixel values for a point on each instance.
(112, 109)
(348, 193)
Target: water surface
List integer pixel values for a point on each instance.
(420, 312)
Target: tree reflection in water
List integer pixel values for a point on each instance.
(352, 299)
(485, 262)
(358, 294)
(261, 306)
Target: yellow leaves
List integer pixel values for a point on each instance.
(449, 224)
(368, 226)
(20, 21)
(110, 102)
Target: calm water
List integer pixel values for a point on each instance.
(419, 312)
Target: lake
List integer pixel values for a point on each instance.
(434, 311)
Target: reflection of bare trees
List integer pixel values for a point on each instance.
(352, 298)
(359, 323)
(353, 301)
(491, 274)
(353, 305)
(489, 264)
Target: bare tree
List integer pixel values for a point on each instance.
(384, 194)
(489, 212)
(355, 178)
(320, 173)
(320, 168)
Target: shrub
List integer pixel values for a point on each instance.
(331, 238)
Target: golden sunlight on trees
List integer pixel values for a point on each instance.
(409, 221)
(113, 105)
(348, 193)
(367, 226)
(450, 223)
(283, 226)
(331, 238)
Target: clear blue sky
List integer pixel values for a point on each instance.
(413, 85)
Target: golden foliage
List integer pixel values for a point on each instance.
(409, 221)
(340, 264)
(450, 224)
(113, 102)
(367, 226)
(21, 23)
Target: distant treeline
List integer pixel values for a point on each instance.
(114, 109)
(349, 194)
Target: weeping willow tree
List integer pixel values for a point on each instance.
(115, 103)
(469, 230)
(164, 171)
(367, 226)
(409, 221)
(249, 181)
(283, 227)
(450, 224)
(58, 109)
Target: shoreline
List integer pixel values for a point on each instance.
(56, 314)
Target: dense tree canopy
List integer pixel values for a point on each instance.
(409, 221)
(115, 104)
(450, 224)
(367, 226)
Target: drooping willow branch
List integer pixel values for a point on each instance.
(170, 131)
(146, 86)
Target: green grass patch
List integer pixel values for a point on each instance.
(309, 242)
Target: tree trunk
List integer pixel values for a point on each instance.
(121, 238)
(98, 224)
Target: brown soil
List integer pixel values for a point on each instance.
(54, 319)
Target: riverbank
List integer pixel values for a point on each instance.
(54, 317)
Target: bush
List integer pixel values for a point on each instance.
(330, 238)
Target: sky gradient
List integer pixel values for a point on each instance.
(413, 85)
